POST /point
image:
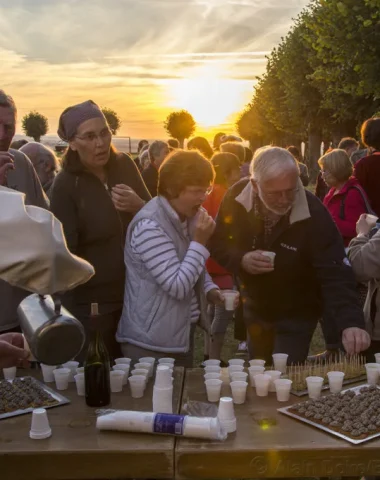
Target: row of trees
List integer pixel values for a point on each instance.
(322, 81)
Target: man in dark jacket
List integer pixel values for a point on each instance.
(157, 152)
(283, 297)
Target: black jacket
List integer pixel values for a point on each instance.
(311, 275)
(150, 177)
(94, 229)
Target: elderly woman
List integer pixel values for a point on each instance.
(346, 200)
(167, 284)
(157, 152)
(95, 196)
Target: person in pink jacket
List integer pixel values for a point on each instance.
(346, 199)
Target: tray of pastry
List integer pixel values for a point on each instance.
(24, 394)
(353, 414)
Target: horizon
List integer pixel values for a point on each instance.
(153, 57)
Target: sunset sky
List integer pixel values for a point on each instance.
(143, 58)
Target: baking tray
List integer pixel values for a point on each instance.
(350, 381)
(60, 399)
(285, 411)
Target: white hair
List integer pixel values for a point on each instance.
(268, 162)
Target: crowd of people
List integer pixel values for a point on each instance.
(168, 231)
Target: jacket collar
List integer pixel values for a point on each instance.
(174, 217)
(300, 210)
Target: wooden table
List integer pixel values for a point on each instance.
(76, 450)
(280, 447)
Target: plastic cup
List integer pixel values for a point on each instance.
(253, 371)
(140, 371)
(372, 370)
(72, 365)
(123, 361)
(271, 255)
(80, 370)
(213, 388)
(314, 386)
(213, 369)
(10, 373)
(239, 391)
(144, 366)
(226, 414)
(229, 299)
(335, 381)
(79, 382)
(235, 368)
(166, 360)
(236, 361)
(239, 376)
(137, 385)
(47, 372)
(257, 363)
(125, 368)
(61, 377)
(279, 361)
(283, 386)
(116, 380)
(164, 377)
(211, 363)
(371, 219)
(262, 381)
(209, 376)
(274, 375)
(163, 399)
(377, 357)
(40, 427)
(151, 361)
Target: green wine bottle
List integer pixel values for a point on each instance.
(97, 369)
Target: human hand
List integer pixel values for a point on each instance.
(365, 224)
(256, 263)
(355, 340)
(126, 199)
(6, 164)
(215, 297)
(204, 227)
(12, 351)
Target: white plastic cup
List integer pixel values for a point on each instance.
(144, 366)
(116, 380)
(211, 363)
(271, 255)
(226, 414)
(229, 299)
(137, 385)
(373, 373)
(239, 391)
(262, 381)
(162, 399)
(151, 361)
(140, 371)
(166, 360)
(10, 373)
(125, 368)
(314, 386)
(123, 361)
(239, 377)
(236, 361)
(371, 219)
(79, 382)
(213, 388)
(80, 370)
(257, 363)
(72, 365)
(47, 372)
(377, 357)
(40, 427)
(283, 386)
(61, 377)
(213, 369)
(253, 371)
(164, 377)
(209, 376)
(335, 381)
(235, 368)
(274, 375)
(279, 361)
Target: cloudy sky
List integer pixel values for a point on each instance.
(143, 58)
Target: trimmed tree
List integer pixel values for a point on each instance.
(180, 125)
(113, 119)
(35, 125)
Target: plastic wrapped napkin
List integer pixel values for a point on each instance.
(34, 255)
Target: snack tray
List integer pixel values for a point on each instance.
(350, 381)
(60, 399)
(285, 411)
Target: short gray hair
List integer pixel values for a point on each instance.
(155, 149)
(268, 161)
(7, 101)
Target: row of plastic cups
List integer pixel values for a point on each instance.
(238, 388)
(216, 363)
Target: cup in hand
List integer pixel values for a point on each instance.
(229, 299)
(283, 386)
(213, 388)
(270, 255)
(239, 391)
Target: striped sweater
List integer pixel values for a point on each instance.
(157, 252)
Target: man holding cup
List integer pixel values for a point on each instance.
(289, 259)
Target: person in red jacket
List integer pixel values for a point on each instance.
(346, 199)
(227, 169)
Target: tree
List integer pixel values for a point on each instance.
(35, 125)
(180, 125)
(113, 119)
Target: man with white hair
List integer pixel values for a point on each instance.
(44, 162)
(284, 298)
(157, 152)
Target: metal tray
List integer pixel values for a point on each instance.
(60, 399)
(285, 411)
(301, 393)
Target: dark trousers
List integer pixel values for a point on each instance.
(289, 335)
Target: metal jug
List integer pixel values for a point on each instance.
(53, 334)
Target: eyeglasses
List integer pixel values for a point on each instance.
(92, 136)
(291, 193)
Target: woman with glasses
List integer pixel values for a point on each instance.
(167, 287)
(96, 195)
